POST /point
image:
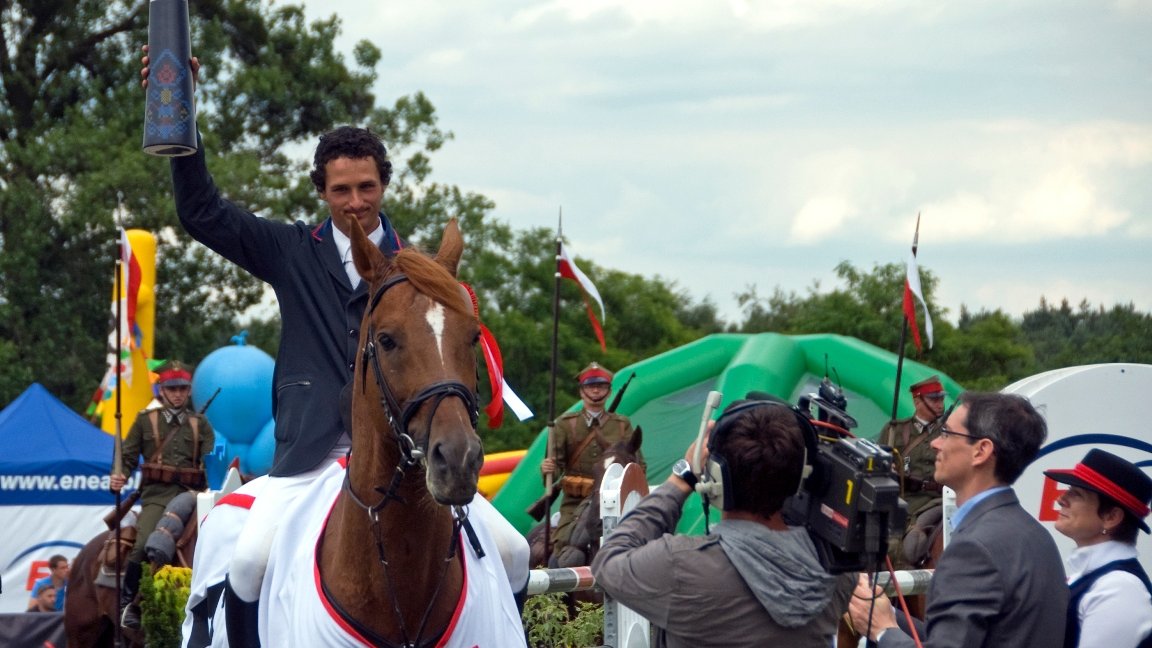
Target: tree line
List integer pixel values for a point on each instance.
(71, 170)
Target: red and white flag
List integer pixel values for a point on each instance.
(567, 269)
(129, 332)
(912, 289)
(130, 280)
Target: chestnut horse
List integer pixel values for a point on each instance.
(92, 609)
(383, 552)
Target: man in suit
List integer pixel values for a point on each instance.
(1000, 581)
(322, 301)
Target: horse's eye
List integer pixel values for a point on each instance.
(476, 339)
(386, 342)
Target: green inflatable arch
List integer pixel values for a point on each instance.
(666, 398)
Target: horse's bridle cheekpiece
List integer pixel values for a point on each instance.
(398, 418)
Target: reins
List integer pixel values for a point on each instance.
(412, 454)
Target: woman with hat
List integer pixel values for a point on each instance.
(1102, 511)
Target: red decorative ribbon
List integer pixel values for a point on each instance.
(495, 364)
(1109, 488)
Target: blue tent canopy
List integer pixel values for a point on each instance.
(50, 454)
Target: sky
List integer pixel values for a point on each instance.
(725, 144)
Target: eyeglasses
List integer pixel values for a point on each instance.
(934, 397)
(945, 433)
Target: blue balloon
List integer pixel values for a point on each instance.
(260, 453)
(243, 376)
(239, 451)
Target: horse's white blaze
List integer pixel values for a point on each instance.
(435, 318)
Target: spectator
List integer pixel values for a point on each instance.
(45, 600)
(754, 580)
(999, 583)
(1102, 511)
(57, 579)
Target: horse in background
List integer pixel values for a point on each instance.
(584, 541)
(92, 609)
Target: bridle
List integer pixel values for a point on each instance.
(412, 454)
(399, 418)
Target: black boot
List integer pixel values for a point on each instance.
(129, 610)
(242, 619)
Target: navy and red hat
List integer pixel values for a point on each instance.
(594, 374)
(1119, 479)
(173, 374)
(928, 387)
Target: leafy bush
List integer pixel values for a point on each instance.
(548, 625)
(162, 600)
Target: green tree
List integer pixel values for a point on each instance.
(869, 306)
(70, 164)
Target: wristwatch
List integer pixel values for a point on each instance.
(683, 470)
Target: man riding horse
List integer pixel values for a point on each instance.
(174, 439)
(579, 442)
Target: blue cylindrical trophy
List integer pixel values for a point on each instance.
(169, 110)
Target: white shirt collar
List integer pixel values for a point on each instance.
(1086, 559)
(344, 248)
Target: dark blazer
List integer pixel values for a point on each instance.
(999, 583)
(320, 313)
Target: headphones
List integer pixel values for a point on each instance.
(715, 484)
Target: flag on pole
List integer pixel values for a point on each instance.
(568, 269)
(130, 280)
(912, 291)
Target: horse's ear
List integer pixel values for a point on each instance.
(451, 247)
(636, 440)
(367, 258)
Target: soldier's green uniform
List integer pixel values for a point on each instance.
(572, 433)
(173, 439)
(178, 452)
(912, 442)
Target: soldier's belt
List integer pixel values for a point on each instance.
(913, 485)
(193, 478)
(576, 486)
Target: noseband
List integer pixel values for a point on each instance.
(412, 453)
(399, 418)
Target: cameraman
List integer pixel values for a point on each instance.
(754, 580)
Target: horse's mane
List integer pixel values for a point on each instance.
(430, 278)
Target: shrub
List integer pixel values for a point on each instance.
(162, 600)
(548, 625)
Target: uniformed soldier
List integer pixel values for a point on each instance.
(173, 438)
(911, 439)
(579, 439)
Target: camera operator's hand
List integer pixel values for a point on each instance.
(869, 602)
(690, 454)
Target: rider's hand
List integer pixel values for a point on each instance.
(548, 467)
(193, 62)
(116, 482)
